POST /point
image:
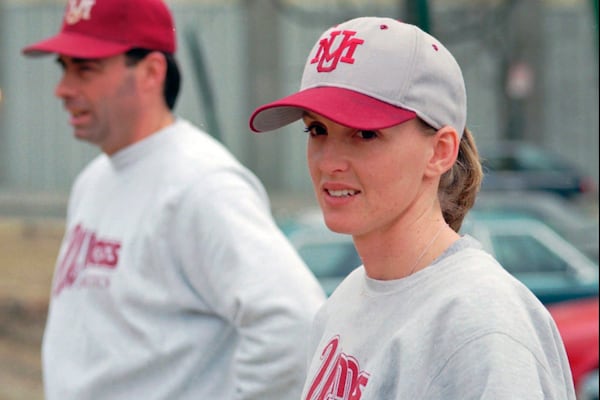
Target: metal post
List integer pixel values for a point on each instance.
(263, 152)
(417, 13)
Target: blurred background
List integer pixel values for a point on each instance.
(530, 67)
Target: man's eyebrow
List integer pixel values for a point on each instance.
(85, 60)
(76, 60)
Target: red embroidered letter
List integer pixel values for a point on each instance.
(328, 59)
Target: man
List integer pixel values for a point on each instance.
(172, 281)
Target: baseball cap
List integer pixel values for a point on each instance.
(372, 73)
(104, 28)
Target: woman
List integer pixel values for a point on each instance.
(429, 315)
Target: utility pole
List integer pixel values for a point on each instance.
(595, 9)
(263, 152)
(521, 67)
(416, 12)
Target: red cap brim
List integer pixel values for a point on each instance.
(76, 45)
(343, 106)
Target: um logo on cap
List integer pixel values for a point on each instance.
(78, 10)
(328, 58)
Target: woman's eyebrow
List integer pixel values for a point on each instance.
(308, 114)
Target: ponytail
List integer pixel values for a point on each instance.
(459, 185)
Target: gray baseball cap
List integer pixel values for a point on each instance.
(372, 73)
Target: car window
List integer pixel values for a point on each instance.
(525, 254)
(501, 163)
(522, 158)
(531, 159)
(330, 259)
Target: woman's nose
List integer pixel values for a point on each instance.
(330, 156)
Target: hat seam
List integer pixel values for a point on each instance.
(410, 81)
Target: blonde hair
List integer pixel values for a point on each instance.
(459, 185)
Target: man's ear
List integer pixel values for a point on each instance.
(446, 143)
(153, 71)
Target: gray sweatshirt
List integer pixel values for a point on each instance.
(174, 283)
(461, 329)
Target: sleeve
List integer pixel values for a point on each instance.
(241, 264)
(496, 366)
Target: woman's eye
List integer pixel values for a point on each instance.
(367, 134)
(316, 130)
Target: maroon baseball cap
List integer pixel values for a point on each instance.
(104, 28)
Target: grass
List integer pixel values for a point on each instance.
(28, 250)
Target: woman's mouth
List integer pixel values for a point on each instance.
(342, 192)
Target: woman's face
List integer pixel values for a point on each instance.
(367, 181)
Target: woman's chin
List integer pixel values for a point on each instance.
(338, 225)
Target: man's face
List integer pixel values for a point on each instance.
(102, 99)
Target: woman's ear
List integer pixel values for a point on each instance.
(446, 143)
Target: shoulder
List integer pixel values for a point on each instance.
(471, 282)
(189, 141)
(97, 167)
(500, 365)
(488, 318)
(196, 158)
(483, 300)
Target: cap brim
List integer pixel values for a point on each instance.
(343, 106)
(76, 45)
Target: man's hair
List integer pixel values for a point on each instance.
(173, 78)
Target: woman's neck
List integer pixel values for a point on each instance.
(403, 249)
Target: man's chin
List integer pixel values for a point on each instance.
(81, 134)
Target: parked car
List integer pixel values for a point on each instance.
(520, 165)
(544, 261)
(571, 220)
(577, 322)
(550, 266)
(588, 389)
(330, 256)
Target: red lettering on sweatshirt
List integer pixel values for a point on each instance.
(83, 250)
(339, 377)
